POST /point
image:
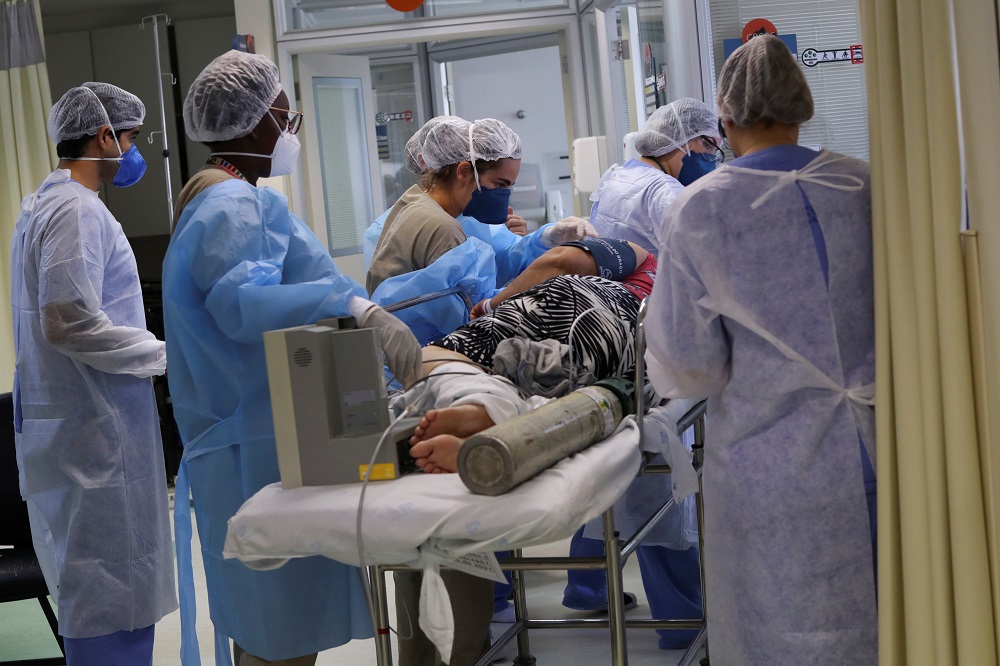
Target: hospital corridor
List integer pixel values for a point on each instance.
(487, 332)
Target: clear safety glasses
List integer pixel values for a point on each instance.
(714, 153)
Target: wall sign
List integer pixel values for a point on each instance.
(382, 118)
(404, 5)
(758, 27)
(852, 54)
(730, 45)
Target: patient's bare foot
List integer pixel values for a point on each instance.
(461, 421)
(438, 454)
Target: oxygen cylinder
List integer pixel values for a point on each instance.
(502, 457)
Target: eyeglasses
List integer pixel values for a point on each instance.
(294, 119)
(716, 155)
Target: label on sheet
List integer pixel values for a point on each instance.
(605, 407)
(380, 472)
(484, 565)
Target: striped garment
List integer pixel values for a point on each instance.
(602, 338)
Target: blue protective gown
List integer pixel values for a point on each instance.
(631, 202)
(764, 303)
(239, 264)
(491, 257)
(513, 253)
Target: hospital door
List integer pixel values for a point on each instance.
(342, 190)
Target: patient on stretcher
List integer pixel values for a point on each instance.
(583, 296)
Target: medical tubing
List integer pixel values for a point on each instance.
(369, 596)
(569, 338)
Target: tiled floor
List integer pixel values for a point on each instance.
(24, 634)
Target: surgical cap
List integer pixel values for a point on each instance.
(230, 96)
(762, 81)
(456, 140)
(414, 147)
(674, 125)
(82, 111)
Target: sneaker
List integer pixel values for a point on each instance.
(505, 616)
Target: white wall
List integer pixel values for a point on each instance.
(498, 86)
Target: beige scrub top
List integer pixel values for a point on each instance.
(416, 232)
(197, 184)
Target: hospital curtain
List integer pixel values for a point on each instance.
(935, 593)
(978, 51)
(26, 154)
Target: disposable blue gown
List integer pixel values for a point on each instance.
(764, 303)
(492, 256)
(470, 266)
(239, 264)
(513, 253)
(631, 202)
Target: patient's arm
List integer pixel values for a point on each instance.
(561, 260)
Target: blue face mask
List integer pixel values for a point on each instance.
(694, 166)
(130, 169)
(489, 206)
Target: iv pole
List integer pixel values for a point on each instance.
(163, 115)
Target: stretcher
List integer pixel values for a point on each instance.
(427, 521)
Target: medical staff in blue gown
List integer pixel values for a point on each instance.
(764, 304)
(239, 263)
(85, 423)
(679, 144)
(427, 243)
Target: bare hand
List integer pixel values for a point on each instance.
(516, 223)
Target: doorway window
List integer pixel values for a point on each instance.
(344, 161)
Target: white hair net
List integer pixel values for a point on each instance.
(762, 81)
(230, 96)
(414, 147)
(82, 111)
(674, 125)
(455, 140)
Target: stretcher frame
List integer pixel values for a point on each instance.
(616, 552)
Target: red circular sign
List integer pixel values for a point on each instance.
(758, 27)
(404, 5)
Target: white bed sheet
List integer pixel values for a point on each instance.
(426, 520)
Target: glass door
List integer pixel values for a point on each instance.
(344, 183)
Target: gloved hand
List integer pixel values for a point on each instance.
(401, 349)
(567, 229)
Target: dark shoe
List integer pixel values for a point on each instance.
(569, 602)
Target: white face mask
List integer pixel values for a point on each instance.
(285, 154)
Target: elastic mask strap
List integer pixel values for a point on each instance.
(271, 156)
(472, 156)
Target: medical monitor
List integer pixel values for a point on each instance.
(329, 402)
